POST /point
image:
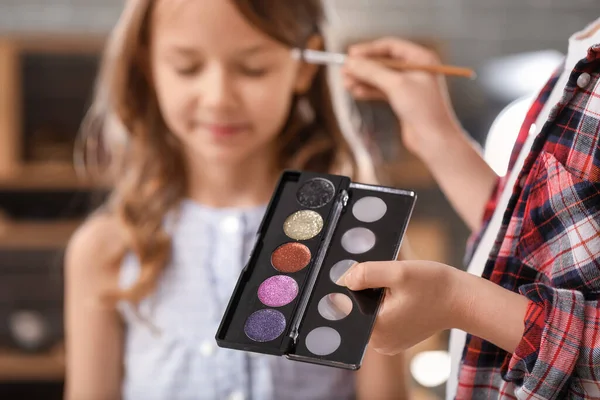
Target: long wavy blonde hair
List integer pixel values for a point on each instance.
(126, 143)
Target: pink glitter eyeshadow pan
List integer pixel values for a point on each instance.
(277, 291)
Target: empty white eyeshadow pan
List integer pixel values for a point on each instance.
(323, 341)
(358, 240)
(339, 269)
(369, 209)
(335, 306)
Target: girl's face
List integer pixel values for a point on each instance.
(224, 88)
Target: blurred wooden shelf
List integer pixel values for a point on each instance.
(16, 366)
(54, 43)
(43, 176)
(36, 235)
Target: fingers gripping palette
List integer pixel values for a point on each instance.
(286, 301)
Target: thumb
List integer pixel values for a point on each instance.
(370, 275)
(371, 73)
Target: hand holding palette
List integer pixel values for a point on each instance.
(286, 301)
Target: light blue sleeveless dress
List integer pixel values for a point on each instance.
(170, 351)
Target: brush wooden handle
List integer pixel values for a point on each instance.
(438, 69)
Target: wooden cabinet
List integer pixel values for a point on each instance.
(46, 85)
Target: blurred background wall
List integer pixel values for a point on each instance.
(48, 56)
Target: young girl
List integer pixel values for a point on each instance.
(199, 108)
(533, 316)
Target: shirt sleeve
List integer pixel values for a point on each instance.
(560, 348)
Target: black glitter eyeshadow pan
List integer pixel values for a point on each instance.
(316, 193)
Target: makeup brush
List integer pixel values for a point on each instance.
(326, 58)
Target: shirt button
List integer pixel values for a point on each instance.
(230, 225)
(237, 395)
(532, 129)
(584, 80)
(207, 348)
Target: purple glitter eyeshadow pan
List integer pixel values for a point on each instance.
(265, 325)
(287, 301)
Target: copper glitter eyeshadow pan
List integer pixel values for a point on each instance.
(286, 301)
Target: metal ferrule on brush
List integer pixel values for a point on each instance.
(318, 57)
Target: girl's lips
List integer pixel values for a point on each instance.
(219, 129)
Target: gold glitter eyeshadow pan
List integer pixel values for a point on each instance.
(286, 301)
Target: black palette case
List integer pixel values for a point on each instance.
(286, 301)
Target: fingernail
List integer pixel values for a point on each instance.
(346, 277)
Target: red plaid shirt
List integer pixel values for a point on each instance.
(548, 249)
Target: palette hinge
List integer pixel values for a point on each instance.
(339, 206)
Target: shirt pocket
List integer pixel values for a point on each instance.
(560, 237)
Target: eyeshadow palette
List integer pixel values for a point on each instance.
(286, 301)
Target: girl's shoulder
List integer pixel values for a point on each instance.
(98, 244)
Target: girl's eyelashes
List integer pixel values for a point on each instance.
(192, 68)
(187, 70)
(253, 72)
